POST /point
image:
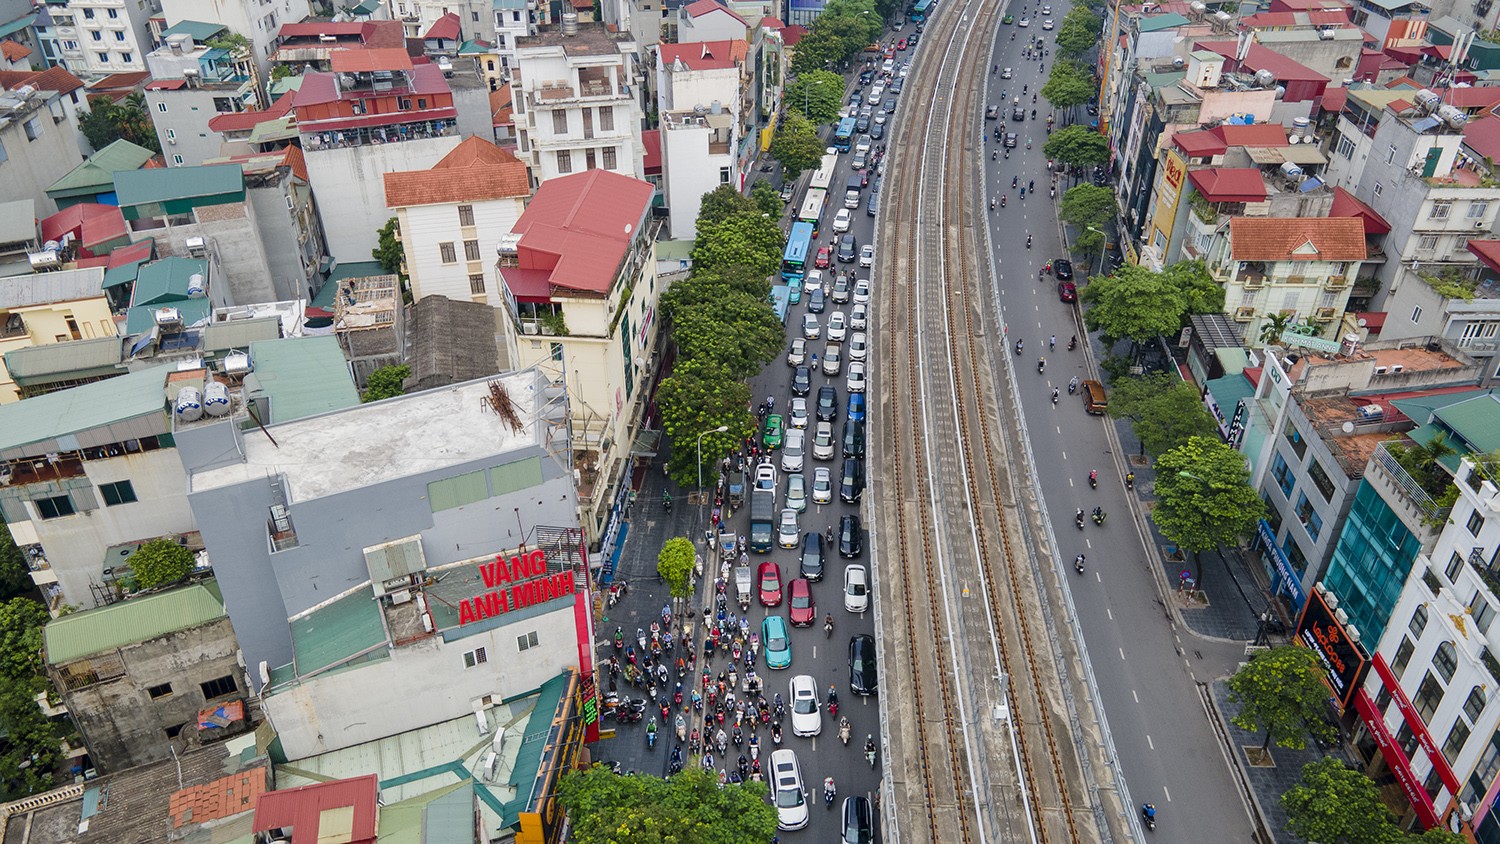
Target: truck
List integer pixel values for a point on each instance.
(852, 189)
(763, 509)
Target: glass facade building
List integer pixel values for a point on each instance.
(1374, 555)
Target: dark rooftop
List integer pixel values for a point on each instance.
(452, 342)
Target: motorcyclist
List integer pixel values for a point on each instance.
(829, 791)
(1054, 395)
(1041, 364)
(828, 624)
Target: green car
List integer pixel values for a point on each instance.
(775, 431)
(1008, 20)
(778, 644)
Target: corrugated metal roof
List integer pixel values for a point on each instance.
(52, 358)
(200, 30)
(163, 184)
(127, 622)
(240, 333)
(84, 407)
(1476, 421)
(302, 377)
(331, 634)
(23, 291)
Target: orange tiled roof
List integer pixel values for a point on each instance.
(502, 106)
(14, 51)
(476, 169)
(1297, 239)
(221, 798)
(55, 78)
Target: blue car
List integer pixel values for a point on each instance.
(773, 634)
(857, 407)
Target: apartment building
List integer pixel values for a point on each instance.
(192, 83)
(698, 90)
(38, 145)
(309, 45)
(259, 21)
(47, 308)
(113, 35)
(475, 18)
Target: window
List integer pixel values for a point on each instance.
(466, 215)
(161, 107)
(476, 16)
(218, 687)
(1440, 210)
(475, 657)
(174, 731)
(97, 35)
(1308, 516)
(1474, 704)
(564, 161)
(1475, 523)
(1406, 738)
(171, 134)
(1283, 475)
(471, 250)
(165, 690)
(723, 175)
(609, 159)
(33, 128)
(476, 285)
(1346, 148)
(88, 14)
(1456, 739)
(113, 14)
(1477, 210)
(224, 105)
(1320, 480)
(1429, 695)
(3, 154)
(1295, 440)
(526, 641)
(54, 508)
(103, 58)
(127, 58)
(1482, 612)
(1451, 572)
(1416, 314)
(589, 161)
(119, 492)
(606, 119)
(1390, 155)
(1418, 621)
(1403, 656)
(177, 160)
(447, 253)
(1446, 660)
(1379, 189)
(559, 122)
(119, 35)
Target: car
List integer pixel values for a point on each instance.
(1063, 269)
(853, 439)
(889, 65)
(859, 317)
(775, 432)
(862, 286)
(796, 354)
(1007, 73)
(788, 528)
(787, 791)
(905, 70)
(1010, 143)
(796, 492)
(765, 476)
(857, 407)
(865, 76)
(794, 452)
(880, 118)
(797, 412)
(854, 381)
(833, 358)
(821, 261)
(817, 301)
(1018, 113)
(852, 480)
(1046, 10)
(992, 112)
(822, 449)
(856, 98)
(862, 123)
(851, 537)
(788, 191)
(1008, 20)
(811, 564)
(822, 486)
(777, 641)
(1047, 24)
(769, 578)
(811, 328)
(1067, 291)
(858, 827)
(801, 609)
(838, 326)
(806, 721)
(847, 249)
(863, 678)
(914, 39)
(877, 131)
(901, 45)
(867, 255)
(801, 381)
(890, 53)
(813, 281)
(859, 160)
(897, 86)
(827, 408)
(1024, 22)
(856, 589)
(842, 220)
(840, 292)
(858, 346)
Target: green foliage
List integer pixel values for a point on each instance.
(1068, 85)
(796, 145)
(21, 623)
(280, 72)
(1078, 33)
(1334, 805)
(1274, 326)
(231, 41)
(687, 808)
(739, 334)
(675, 564)
(1087, 205)
(1138, 304)
(107, 121)
(385, 383)
(1436, 835)
(698, 397)
(766, 199)
(1423, 462)
(751, 240)
(1077, 145)
(707, 287)
(1204, 497)
(838, 34)
(160, 562)
(15, 575)
(30, 750)
(1451, 283)
(816, 95)
(720, 204)
(388, 250)
(1163, 409)
(1281, 693)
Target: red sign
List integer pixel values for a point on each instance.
(1396, 759)
(1344, 662)
(1418, 726)
(513, 584)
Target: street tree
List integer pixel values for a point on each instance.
(1335, 805)
(766, 199)
(21, 623)
(1274, 326)
(1133, 304)
(1078, 33)
(751, 240)
(702, 396)
(388, 249)
(1204, 499)
(1200, 293)
(108, 121)
(706, 287)
(160, 562)
(1164, 411)
(1077, 146)
(689, 807)
(817, 95)
(1281, 692)
(675, 565)
(1068, 85)
(386, 382)
(1087, 205)
(797, 146)
(15, 575)
(30, 750)
(723, 203)
(738, 333)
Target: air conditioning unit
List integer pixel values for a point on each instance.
(1397, 368)
(1381, 370)
(196, 246)
(1244, 314)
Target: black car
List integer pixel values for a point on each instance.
(1063, 269)
(852, 480)
(847, 250)
(897, 86)
(854, 438)
(1010, 140)
(1018, 113)
(877, 131)
(851, 537)
(862, 672)
(816, 301)
(828, 404)
(866, 76)
(858, 826)
(801, 381)
(889, 105)
(812, 556)
(862, 123)
(912, 40)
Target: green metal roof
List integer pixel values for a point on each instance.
(365, 7)
(84, 407)
(1156, 23)
(164, 284)
(335, 633)
(126, 273)
(1419, 409)
(240, 333)
(127, 622)
(442, 816)
(302, 377)
(164, 184)
(17, 25)
(529, 759)
(28, 364)
(475, 46)
(97, 173)
(1228, 390)
(200, 30)
(1476, 423)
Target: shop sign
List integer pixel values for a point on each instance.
(1343, 661)
(514, 584)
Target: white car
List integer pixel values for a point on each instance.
(787, 792)
(838, 326)
(862, 288)
(833, 359)
(765, 476)
(813, 281)
(858, 347)
(796, 492)
(1046, 10)
(1006, 74)
(867, 255)
(859, 318)
(879, 118)
(788, 529)
(1024, 22)
(822, 485)
(797, 354)
(811, 329)
(794, 450)
(806, 720)
(855, 381)
(840, 292)
(798, 412)
(822, 449)
(856, 589)
(1047, 24)
(842, 220)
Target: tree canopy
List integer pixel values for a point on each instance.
(21, 623)
(722, 203)
(841, 30)
(1281, 693)
(1086, 208)
(687, 808)
(816, 94)
(796, 145)
(740, 334)
(1137, 304)
(108, 121)
(160, 562)
(1335, 805)
(706, 287)
(15, 575)
(1077, 145)
(386, 382)
(699, 397)
(387, 249)
(752, 239)
(1164, 411)
(1079, 32)
(1068, 85)
(675, 565)
(766, 199)
(30, 750)
(1203, 495)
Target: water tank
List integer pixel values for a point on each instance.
(168, 316)
(236, 363)
(1264, 78)
(1349, 345)
(189, 407)
(570, 23)
(1427, 101)
(1290, 170)
(1301, 126)
(1223, 17)
(197, 286)
(1198, 6)
(215, 399)
(1453, 116)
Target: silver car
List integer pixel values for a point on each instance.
(832, 359)
(859, 318)
(858, 347)
(788, 531)
(797, 354)
(840, 289)
(796, 492)
(811, 328)
(823, 445)
(798, 413)
(822, 485)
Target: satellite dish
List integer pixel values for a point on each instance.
(1361, 322)
(1347, 427)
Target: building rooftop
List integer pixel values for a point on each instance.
(592, 39)
(1229, 184)
(52, 362)
(1346, 204)
(225, 797)
(164, 184)
(705, 55)
(1264, 58)
(1353, 449)
(1483, 137)
(446, 28)
(199, 31)
(349, 626)
(124, 623)
(94, 226)
(452, 342)
(1297, 239)
(377, 442)
(42, 420)
(704, 7)
(579, 227)
(24, 291)
(343, 811)
(369, 60)
(300, 377)
(55, 78)
(1218, 140)
(475, 170)
(165, 284)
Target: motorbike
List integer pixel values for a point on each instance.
(844, 731)
(1073, 343)
(870, 750)
(1014, 180)
(739, 738)
(1073, 385)
(677, 695)
(1028, 237)
(1099, 516)
(754, 748)
(1041, 364)
(640, 639)
(1054, 395)
(829, 792)
(1130, 480)
(1148, 816)
(1002, 196)
(1078, 519)
(833, 709)
(1019, 345)
(651, 735)
(1078, 563)
(1093, 477)
(619, 638)
(666, 502)
(776, 733)
(676, 765)
(681, 728)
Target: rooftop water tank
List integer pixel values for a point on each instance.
(1264, 78)
(215, 399)
(197, 287)
(236, 363)
(1427, 101)
(168, 316)
(1453, 116)
(189, 407)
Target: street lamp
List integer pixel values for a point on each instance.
(719, 430)
(1101, 248)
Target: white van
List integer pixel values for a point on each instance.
(787, 790)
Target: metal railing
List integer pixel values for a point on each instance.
(1408, 485)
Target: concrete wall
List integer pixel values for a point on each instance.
(352, 190)
(240, 275)
(424, 227)
(46, 323)
(287, 260)
(1331, 511)
(183, 129)
(123, 726)
(1335, 58)
(137, 41)
(31, 166)
(688, 171)
(714, 26)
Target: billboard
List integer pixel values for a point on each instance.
(1344, 662)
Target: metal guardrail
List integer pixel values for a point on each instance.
(1408, 485)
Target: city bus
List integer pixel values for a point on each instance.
(823, 178)
(812, 207)
(919, 11)
(796, 258)
(780, 297)
(843, 136)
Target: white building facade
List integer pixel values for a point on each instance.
(113, 35)
(258, 20)
(698, 98)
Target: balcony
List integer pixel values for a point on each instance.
(562, 92)
(1407, 496)
(380, 135)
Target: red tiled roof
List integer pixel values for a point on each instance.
(56, 78)
(1218, 140)
(1229, 184)
(476, 169)
(502, 106)
(222, 798)
(1472, 98)
(1306, 5)
(92, 224)
(1487, 251)
(580, 226)
(1313, 18)
(366, 60)
(651, 140)
(1483, 137)
(1373, 320)
(312, 29)
(116, 85)
(1334, 99)
(166, 84)
(705, 55)
(241, 121)
(1346, 204)
(446, 27)
(302, 809)
(771, 23)
(14, 51)
(1264, 58)
(703, 7)
(1296, 239)
(790, 35)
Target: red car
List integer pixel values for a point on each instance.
(770, 584)
(1067, 291)
(800, 600)
(901, 45)
(821, 262)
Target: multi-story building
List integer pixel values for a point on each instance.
(710, 20)
(576, 102)
(287, 220)
(309, 45)
(38, 145)
(452, 216)
(57, 36)
(698, 91)
(580, 278)
(476, 18)
(193, 83)
(257, 20)
(514, 20)
(55, 307)
(113, 35)
(59, 80)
